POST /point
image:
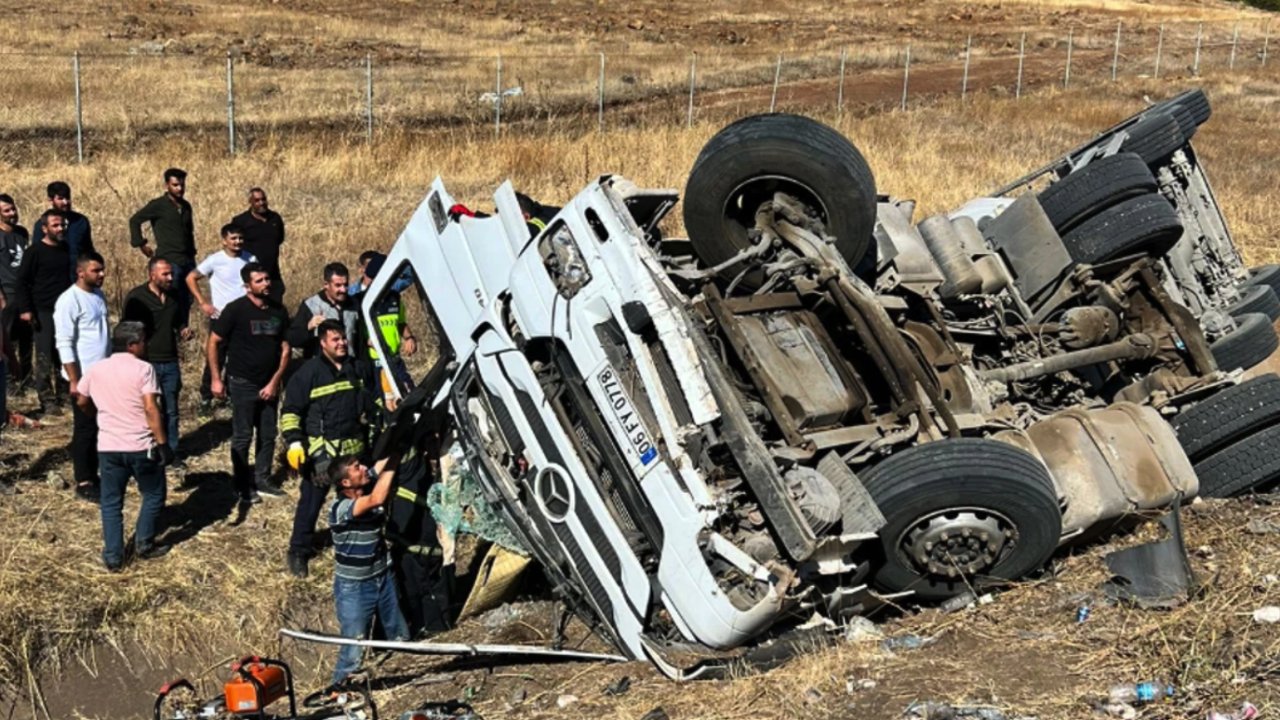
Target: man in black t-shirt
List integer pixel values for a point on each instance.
(253, 327)
(263, 231)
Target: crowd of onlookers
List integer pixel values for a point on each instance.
(320, 378)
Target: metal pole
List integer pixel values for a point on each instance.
(1159, 50)
(1022, 55)
(777, 76)
(844, 52)
(600, 101)
(693, 78)
(964, 79)
(231, 105)
(497, 102)
(1266, 40)
(1195, 66)
(1115, 56)
(1066, 76)
(368, 98)
(75, 68)
(1235, 40)
(906, 77)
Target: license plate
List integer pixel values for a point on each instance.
(627, 417)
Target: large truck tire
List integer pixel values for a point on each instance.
(1228, 416)
(1154, 137)
(745, 163)
(1094, 188)
(1253, 341)
(1256, 299)
(961, 513)
(1147, 223)
(1248, 465)
(1264, 275)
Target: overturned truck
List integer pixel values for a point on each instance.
(794, 411)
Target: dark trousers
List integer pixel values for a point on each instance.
(84, 445)
(169, 378)
(249, 415)
(426, 590)
(117, 468)
(310, 504)
(50, 386)
(182, 293)
(18, 343)
(206, 379)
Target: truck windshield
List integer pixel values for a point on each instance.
(408, 340)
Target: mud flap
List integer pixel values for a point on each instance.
(1155, 575)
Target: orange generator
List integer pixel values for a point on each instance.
(256, 683)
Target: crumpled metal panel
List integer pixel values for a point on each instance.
(1111, 463)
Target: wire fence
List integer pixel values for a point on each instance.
(86, 101)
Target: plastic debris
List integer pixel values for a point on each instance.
(943, 711)
(18, 420)
(1262, 526)
(860, 629)
(906, 642)
(565, 701)
(1082, 614)
(1124, 711)
(619, 687)
(851, 686)
(1247, 711)
(1139, 693)
(1269, 614)
(959, 602)
(656, 714)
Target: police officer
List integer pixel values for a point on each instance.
(394, 338)
(331, 406)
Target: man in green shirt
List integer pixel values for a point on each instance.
(173, 228)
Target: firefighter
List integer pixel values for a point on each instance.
(394, 335)
(423, 578)
(536, 215)
(331, 407)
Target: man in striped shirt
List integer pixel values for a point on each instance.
(363, 586)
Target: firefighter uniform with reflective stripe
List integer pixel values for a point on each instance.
(329, 411)
(425, 583)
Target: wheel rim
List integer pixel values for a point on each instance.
(741, 204)
(958, 542)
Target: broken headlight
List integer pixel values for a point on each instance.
(563, 260)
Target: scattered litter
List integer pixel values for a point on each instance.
(851, 686)
(619, 687)
(18, 420)
(812, 696)
(1155, 574)
(446, 710)
(518, 696)
(943, 711)
(1139, 693)
(1247, 711)
(565, 701)
(959, 602)
(906, 642)
(1082, 614)
(1124, 711)
(56, 481)
(986, 599)
(1262, 526)
(491, 98)
(859, 629)
(655, 714)
(1269, 615)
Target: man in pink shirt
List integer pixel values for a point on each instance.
(122, 390)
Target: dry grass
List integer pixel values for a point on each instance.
(224, 589)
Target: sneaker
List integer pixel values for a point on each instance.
(87, 491)
(297, 565)
(250, 498)
(270, 490)
(113, 567)
(151, 552)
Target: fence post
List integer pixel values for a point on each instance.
(368, 98)
(1115, 56)
(844, 53)
(497, 101)
(600, 101)
(693, 78)
(777, 76)
(1235, 40)
(231, 104)
(1195, 66)
(75, 68)
(1159, 50)
(964, 79)
(906, 77)
(1066, 76)
(1022, 56)
(1266, 40)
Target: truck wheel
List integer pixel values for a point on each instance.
(1147, 223)
(1229, 415)
(1253, 341)
(960, 513)
(1154, 137)
(1268, 275)
(1094, 188)
(1256, 299)
(1249, 464)
(744, 164)
(1196, 104)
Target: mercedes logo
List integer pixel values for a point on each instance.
(555, 493)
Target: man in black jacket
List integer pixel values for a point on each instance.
(263, 232)
(14, 241)
(330, 404)
(79, 233)
(43, 277)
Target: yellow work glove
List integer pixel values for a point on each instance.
(296, 455)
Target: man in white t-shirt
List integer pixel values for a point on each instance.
(82, 336)
(223, 270)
